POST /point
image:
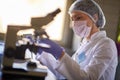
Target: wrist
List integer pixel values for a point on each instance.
(63, 53)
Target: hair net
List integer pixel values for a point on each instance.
(90, 8)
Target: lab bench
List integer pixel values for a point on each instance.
(19, 71)
(19, 74)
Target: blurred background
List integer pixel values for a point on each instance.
(20, 12)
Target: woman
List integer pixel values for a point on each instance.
(96, 58)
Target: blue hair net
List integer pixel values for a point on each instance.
(90, 8)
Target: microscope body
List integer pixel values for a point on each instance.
(12, 51)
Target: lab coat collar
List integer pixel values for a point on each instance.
(84, 41)
(98, 35)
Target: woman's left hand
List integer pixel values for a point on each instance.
(54, 49)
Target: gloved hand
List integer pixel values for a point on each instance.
(54, 49)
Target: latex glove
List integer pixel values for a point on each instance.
(54, 49)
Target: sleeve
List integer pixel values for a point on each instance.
(100, 61)
(49, 61)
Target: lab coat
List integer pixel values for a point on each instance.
(95, 59)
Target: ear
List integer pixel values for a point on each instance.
(95, 16)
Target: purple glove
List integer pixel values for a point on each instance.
(54, 49)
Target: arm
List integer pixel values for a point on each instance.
(100, 61)
(49, 61)
(65, 65)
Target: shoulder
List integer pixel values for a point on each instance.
(106, 42)
(107, 47)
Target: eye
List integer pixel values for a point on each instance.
(78, 18)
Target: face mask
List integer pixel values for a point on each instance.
(81, 29)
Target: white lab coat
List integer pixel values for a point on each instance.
(98, 63)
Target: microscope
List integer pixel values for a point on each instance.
(13, 51)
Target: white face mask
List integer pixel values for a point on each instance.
(81, 29)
